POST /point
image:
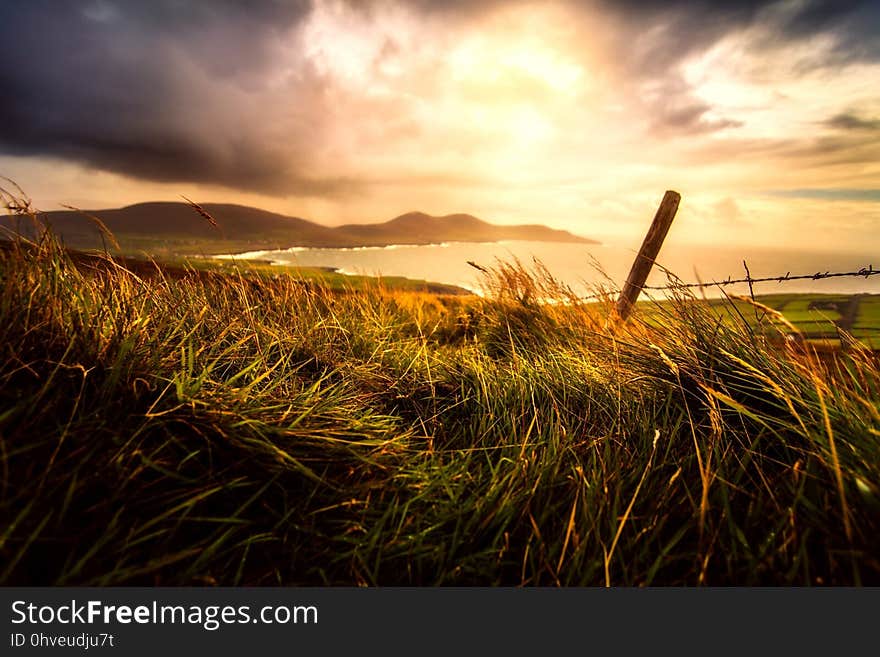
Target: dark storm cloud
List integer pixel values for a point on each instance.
(650, 39)
(165, 90)
(684, 26)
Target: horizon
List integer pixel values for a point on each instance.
(577, 116)
(449, 215)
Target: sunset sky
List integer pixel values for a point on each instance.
(578, 115)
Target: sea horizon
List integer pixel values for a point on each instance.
(589, 267)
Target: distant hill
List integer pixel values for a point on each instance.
(170, 226)
(180, 223)
(421, 228)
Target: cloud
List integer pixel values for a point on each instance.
(791, 157)
(226, 92)
(728, 211)
(690, 117)
(855, 23)
(869, 195)
(651, 42)
(850, 122)
(165, 91)
(676, 111)
(656, 34)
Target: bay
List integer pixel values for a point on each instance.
(587, 267)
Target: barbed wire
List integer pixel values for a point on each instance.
(864, 272)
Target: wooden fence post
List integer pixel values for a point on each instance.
(641, 267)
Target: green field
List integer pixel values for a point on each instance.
(827, 320)
(174, 424)
(817, 318)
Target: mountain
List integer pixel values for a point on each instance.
(178, 227)
(180, 222)
(421, 228)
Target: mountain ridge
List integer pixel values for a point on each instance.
(164, 225)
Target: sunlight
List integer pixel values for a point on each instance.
(356, 47)
(528, 126)
(495, 60)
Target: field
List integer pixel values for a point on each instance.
(171, 425)
(834, 319)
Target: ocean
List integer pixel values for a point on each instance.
(583, 267)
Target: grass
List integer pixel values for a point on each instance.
(250, 428)
(867, 325)
(327, 277)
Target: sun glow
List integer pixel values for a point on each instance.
(494, 61)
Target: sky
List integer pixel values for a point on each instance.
(765, 116)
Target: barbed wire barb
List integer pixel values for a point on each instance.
(865, 272)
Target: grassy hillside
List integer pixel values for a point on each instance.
(244, 429)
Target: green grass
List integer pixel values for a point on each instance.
(801, 312)
(325, 276)
(869, 313)
(256, 428)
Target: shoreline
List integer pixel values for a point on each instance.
(393, 246)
